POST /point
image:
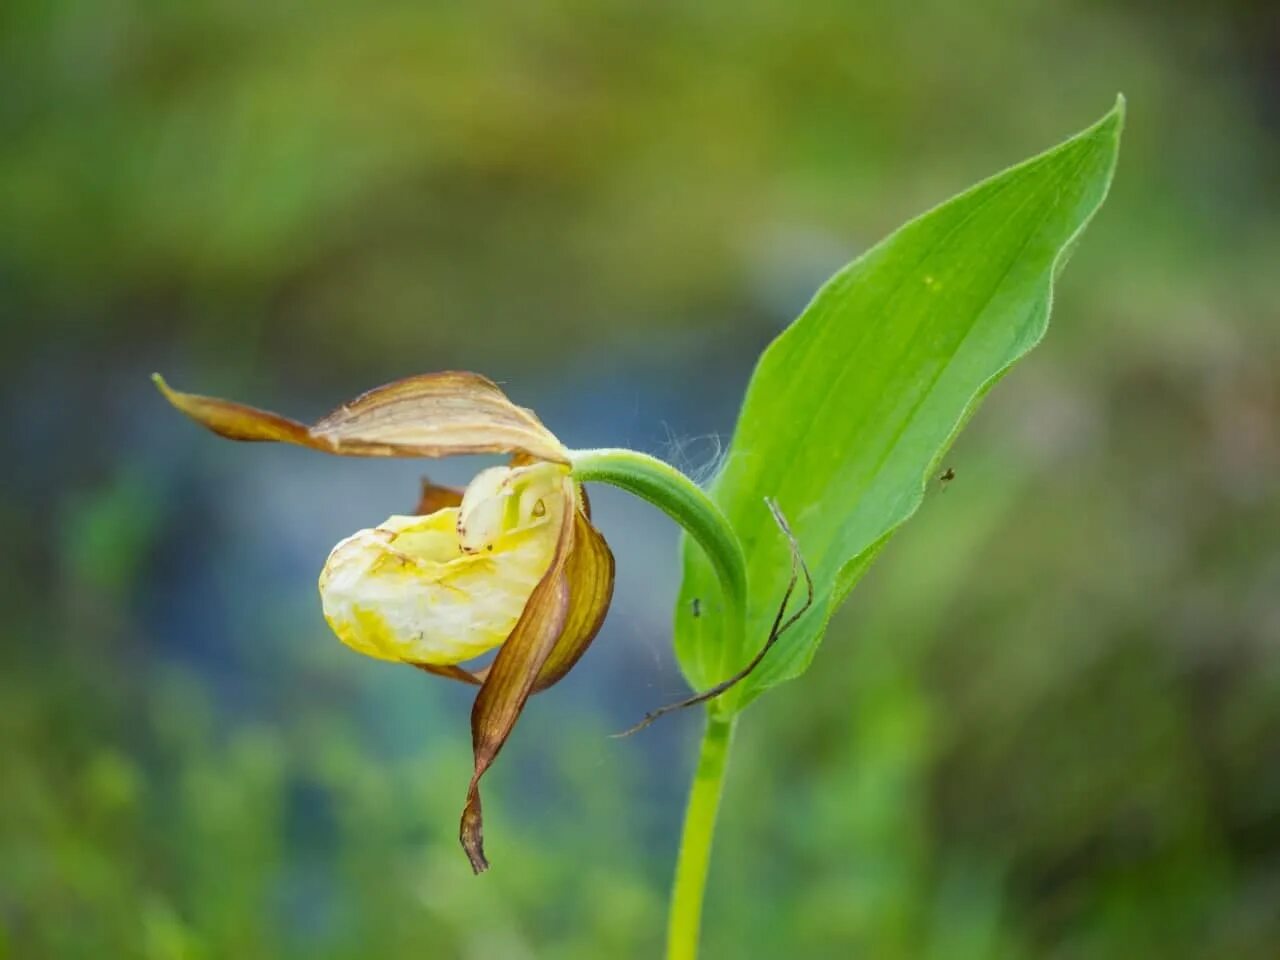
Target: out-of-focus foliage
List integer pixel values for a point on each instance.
(1048, 727)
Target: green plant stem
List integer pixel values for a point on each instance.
(685, 919)
(685, 502)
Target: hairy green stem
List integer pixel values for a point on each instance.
(685, 502)
(685, 919)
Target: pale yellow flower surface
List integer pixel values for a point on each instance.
(450, 586)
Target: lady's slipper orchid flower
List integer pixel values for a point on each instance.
(513, 562)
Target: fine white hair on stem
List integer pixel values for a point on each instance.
(698, 456)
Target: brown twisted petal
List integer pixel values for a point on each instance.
(590, 572)
(431, 415)
(511, 677)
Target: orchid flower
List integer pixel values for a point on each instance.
(513, 562)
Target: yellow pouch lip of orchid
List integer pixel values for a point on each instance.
(410, 590)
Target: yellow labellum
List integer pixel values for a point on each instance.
(450, 586)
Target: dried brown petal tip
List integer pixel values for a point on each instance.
(471, 831)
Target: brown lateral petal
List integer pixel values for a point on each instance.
(511, 677)
(431, 415)
(435, 498)
(589, 571)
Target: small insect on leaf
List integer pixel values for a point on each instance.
(946, 477)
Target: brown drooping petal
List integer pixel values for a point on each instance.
(511, 677)
(590, 572)
(431, 415)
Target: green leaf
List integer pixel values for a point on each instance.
(852, 406)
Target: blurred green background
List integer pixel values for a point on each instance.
(1046, 725)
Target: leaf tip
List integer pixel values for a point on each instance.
(1116, 116)
(1104, 135)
